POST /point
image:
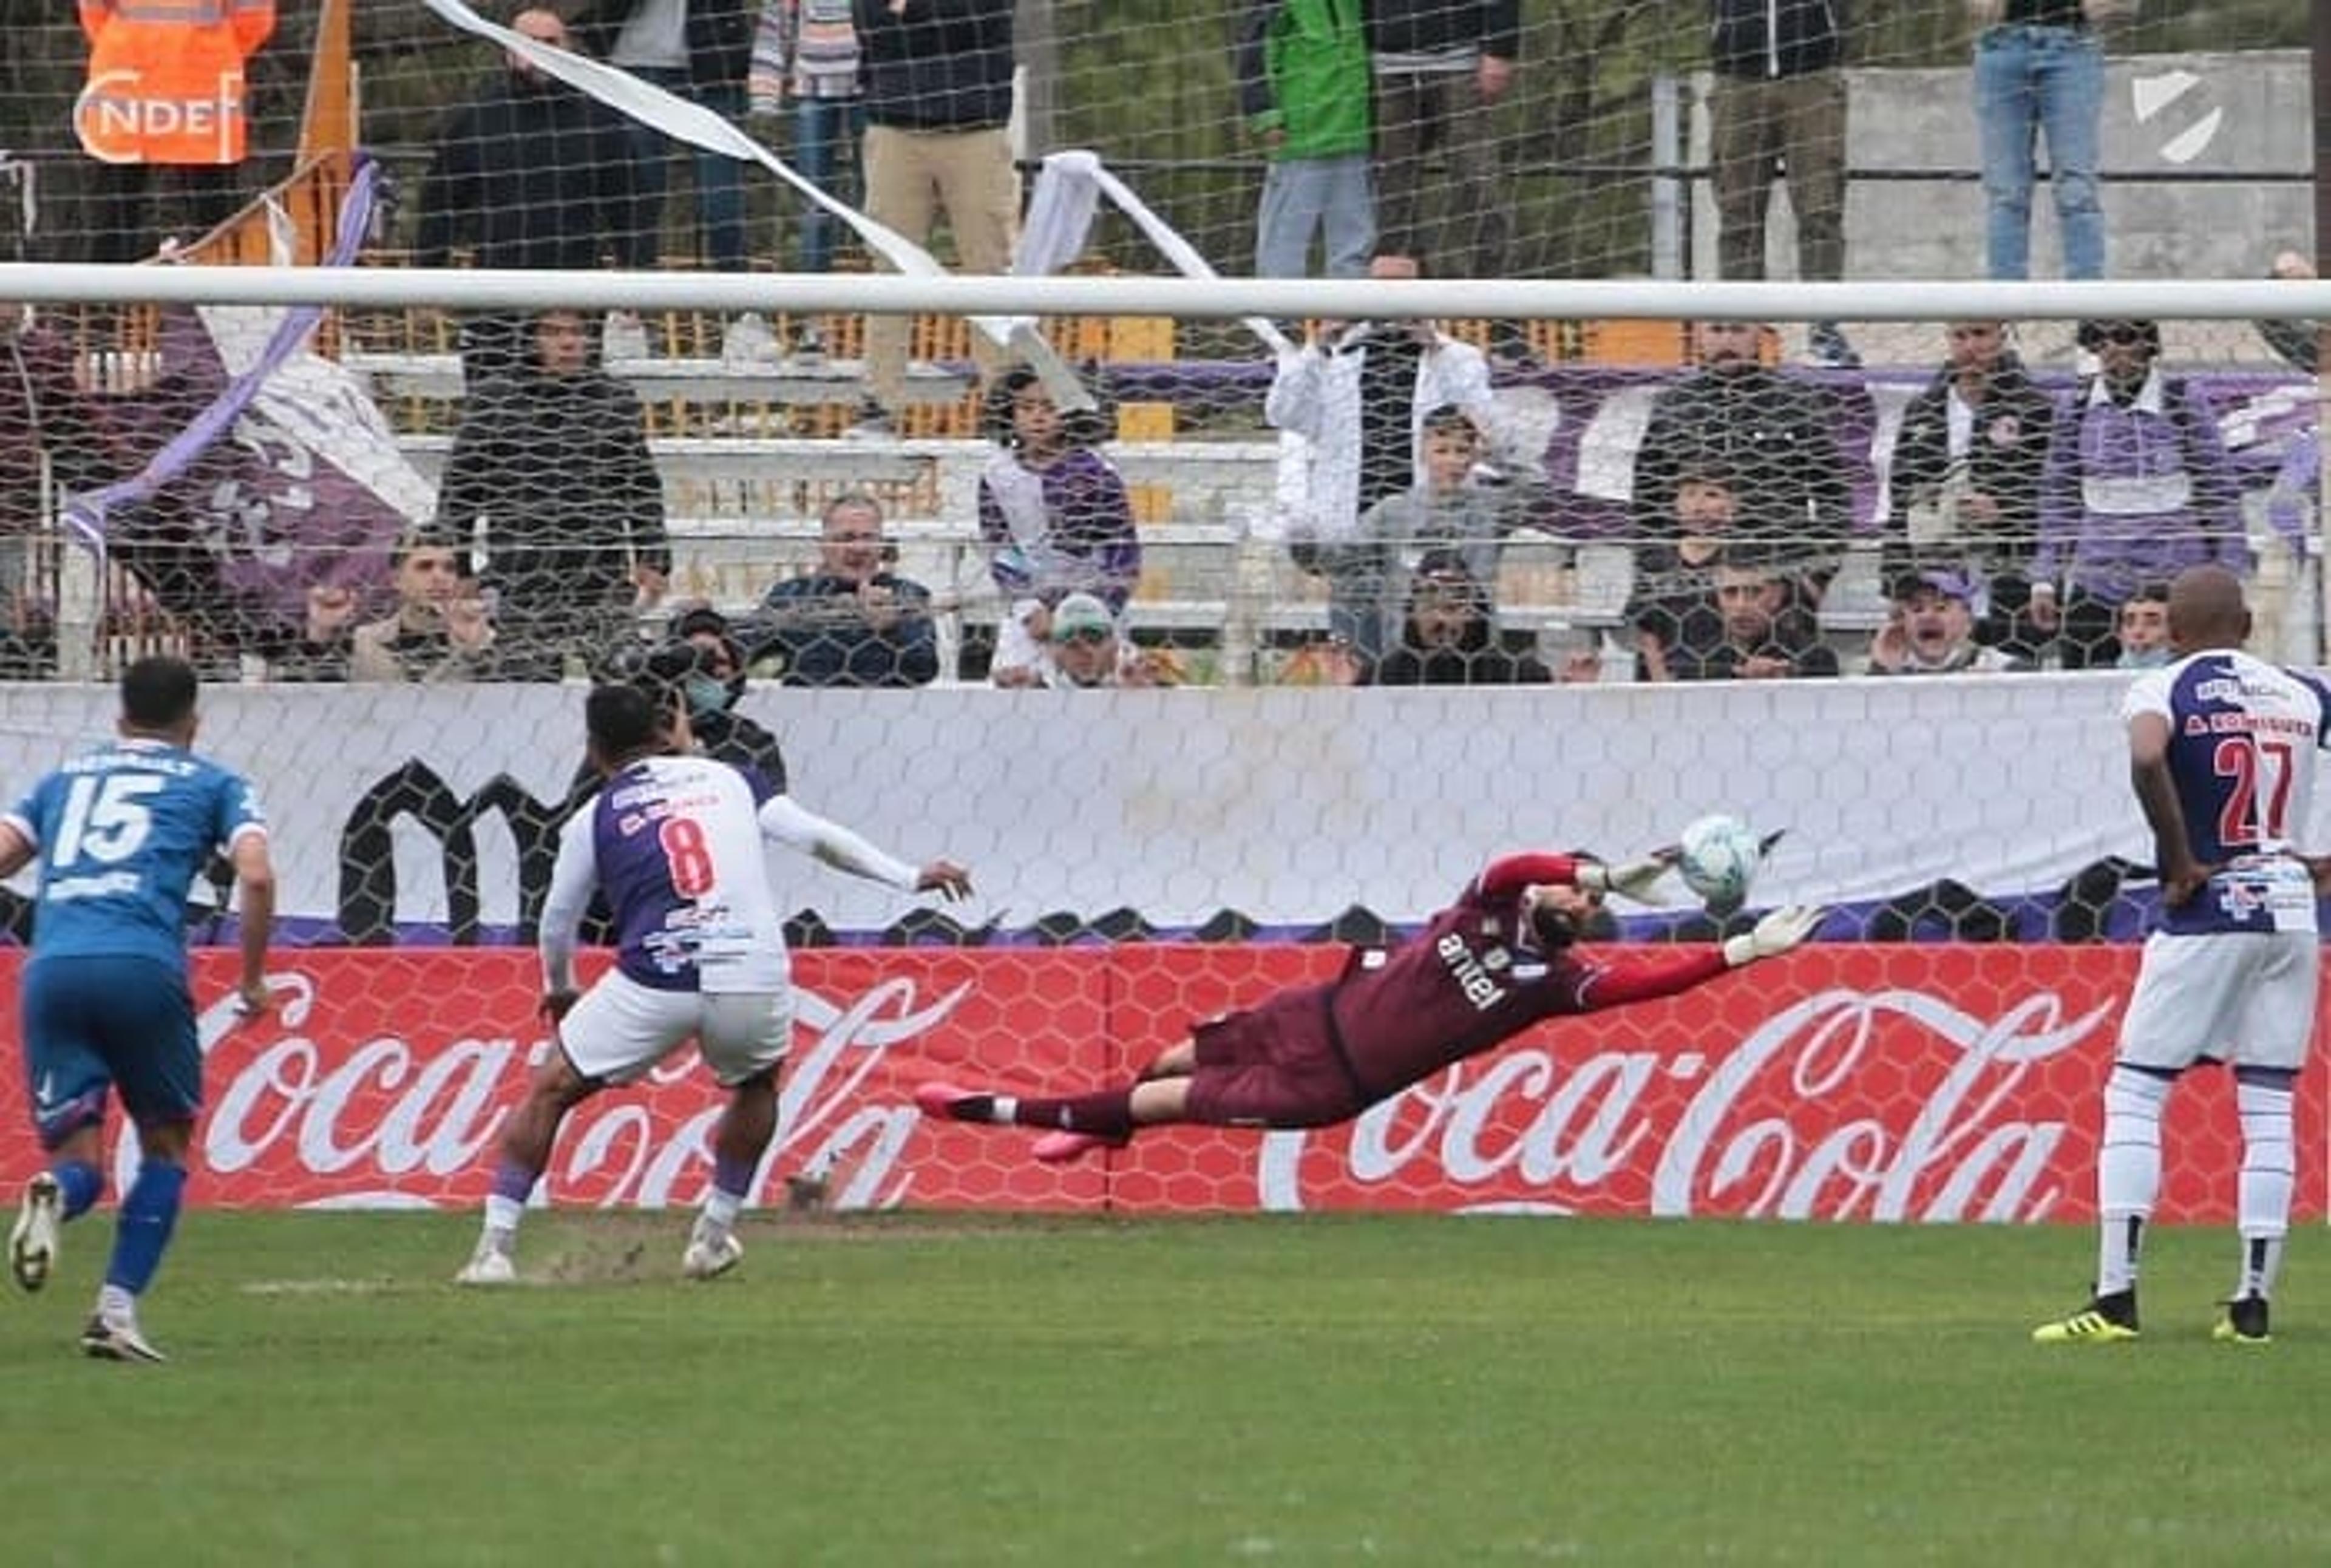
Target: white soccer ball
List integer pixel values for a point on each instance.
(1718, 856)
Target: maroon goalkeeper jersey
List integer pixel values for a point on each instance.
(1466, 982)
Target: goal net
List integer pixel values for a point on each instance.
(1388, 577)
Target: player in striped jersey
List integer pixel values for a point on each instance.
(2221, 757)
(676, 842)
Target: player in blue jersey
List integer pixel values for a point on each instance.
(675, 841)
(2222, 757)
(122, 832)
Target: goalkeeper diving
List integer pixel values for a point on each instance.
(1505, 955)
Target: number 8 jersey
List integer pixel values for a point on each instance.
(2243, 735)
(677, 843)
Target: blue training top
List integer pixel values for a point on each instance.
(122, 831)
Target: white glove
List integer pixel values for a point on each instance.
(1775, 933)
(1634, 879)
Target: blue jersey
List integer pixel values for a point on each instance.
(122, 831)
(2242, 739)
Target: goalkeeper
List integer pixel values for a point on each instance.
(1499, 959)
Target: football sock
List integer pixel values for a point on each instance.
(79, 1182)
(1108, 1114)
(150, 1211)
(506, 1203)
(2263, 1194)
(730, 1181)
(2128, 1173)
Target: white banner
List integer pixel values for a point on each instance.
(1289, 804)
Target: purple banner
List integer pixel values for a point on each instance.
(263, 470)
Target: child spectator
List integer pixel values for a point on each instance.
(1053, 513)
(1302, 69)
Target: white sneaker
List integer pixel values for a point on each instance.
(809, 346)
(116, 1338)
(873, 423)
(710, 1257)
(487, 1267)
(747, 344)
(623, 336)
(33, 1241)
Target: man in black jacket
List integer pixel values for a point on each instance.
(702, 51)
(1780, 102)
(1442, 66)
(557, 469)
(937, 78)
(1965, 481)
(1792, 504)
(530, 173)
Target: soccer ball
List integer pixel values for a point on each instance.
(1718, 856)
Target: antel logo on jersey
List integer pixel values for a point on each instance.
(393, 1120)
(116, 118)
(1766, 1129)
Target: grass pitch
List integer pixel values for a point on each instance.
(911, 1390)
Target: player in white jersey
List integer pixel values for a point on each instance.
(2222, 757)
(676, 842)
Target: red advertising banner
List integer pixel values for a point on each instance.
(1894, 1083)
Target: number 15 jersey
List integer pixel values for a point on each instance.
(2243, 736)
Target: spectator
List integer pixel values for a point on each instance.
(807, 50)
(530, 173)
(558, 472)
(1302, 70)
(701, 50)
(2144, 629)
(1447, 636)
(1352, 402)
(854, 621)
(938, 95)
(1053, 513)
(1779, 102)
(1083, 650)
(439, 630)
(1440, 68)
(1459, 506)
(1792, 505)
(2040, 67)
(1965, 480)
(2137, 487)
(1674, 604)
(147, 63)
(714, 687)
(1762, 637)
(1931, 630)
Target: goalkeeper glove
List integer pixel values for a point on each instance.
(1633, 879)
(1774, 935)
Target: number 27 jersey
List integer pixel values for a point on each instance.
(2243, 736)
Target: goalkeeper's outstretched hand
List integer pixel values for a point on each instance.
(1636, 879)
(1779, 931)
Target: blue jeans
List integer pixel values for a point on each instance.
(821, 125)
(2028, 80)
(1334, 195)
(719, 226)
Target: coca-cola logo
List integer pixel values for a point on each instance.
(1766, 1127)
(392, 1120)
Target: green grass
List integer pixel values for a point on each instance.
(909, 1390)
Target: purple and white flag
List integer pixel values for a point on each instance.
(263, 470)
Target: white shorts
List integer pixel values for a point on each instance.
(2245, 998)
(620, 1029)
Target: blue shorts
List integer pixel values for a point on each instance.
(96, 1023)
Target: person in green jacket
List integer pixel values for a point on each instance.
(1302, 69)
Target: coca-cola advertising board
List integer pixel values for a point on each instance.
(1889, 1083)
